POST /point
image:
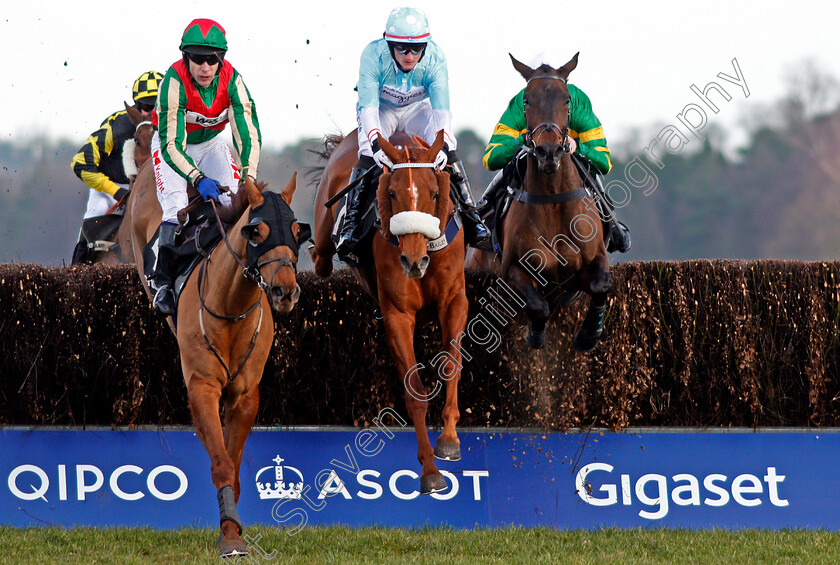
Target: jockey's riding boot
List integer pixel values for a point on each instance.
(476, 233)
(81, 253)
(164, 300)
(498, 183)
(348, 238)
(619, 232)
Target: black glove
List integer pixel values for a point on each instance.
(121, 193)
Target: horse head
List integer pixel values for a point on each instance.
(414, 203)
(142, 135)
(546, 100)
(274, 237)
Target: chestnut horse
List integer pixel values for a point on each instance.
(552, 237)
(225, 328)
(122, 251)
(410, 282)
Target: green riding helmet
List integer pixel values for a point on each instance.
(407, 25)
(204, 37)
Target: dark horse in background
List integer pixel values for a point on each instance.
(412, 283)
(224, 322)
(552, 236)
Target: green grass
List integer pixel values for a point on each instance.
(335, 545)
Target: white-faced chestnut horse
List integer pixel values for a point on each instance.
(410, 282)
(224, 322)
(552, 236)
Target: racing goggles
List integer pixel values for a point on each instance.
(406, 48)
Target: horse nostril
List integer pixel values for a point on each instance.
(278, 292)
(424, 262)
(540, 152)
(406, 264)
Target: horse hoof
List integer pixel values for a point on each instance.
(433, 483)
(232, 547)
(537, 341)
(586, 343)
(448, 450)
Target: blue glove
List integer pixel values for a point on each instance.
(208, 188)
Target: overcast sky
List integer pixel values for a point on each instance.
(69, 65)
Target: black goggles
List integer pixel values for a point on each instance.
(144, 107)
(406, 48)
(211, 59)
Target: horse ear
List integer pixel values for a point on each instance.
(255, 197)
(383, 199)
(569, 67)
(392, 152)
(521, 68)
(289, 191)
(134, 114)
(436, 146)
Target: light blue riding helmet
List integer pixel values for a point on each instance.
(407, 25)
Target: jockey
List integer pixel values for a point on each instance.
(404, 84)
(587, 141)
(99, 163)
(199, 95)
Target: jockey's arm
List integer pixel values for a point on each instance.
(368, 88)
(586, 127)
(438, 89)
(172, 127)
(507, 135)
(245, 126)
(86, 163)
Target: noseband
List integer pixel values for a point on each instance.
(532, 135)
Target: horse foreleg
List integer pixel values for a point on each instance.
(399, 328)
(240, 414)
(597, 281)
(204, 399)
(536, 306)
(453, 320)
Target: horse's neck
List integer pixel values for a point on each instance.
(566, 178)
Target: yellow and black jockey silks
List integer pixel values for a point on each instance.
(584, 126)
(99, 163)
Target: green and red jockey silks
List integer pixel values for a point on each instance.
(206, 33)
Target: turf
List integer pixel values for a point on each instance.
(336, 545)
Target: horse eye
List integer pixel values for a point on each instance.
(392, 194)
(525, 101)
(435, 195)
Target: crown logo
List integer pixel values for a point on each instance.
(278, 489)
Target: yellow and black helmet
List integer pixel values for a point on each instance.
(146, 86)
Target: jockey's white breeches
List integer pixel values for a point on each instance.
(213, 158)
(414, 119)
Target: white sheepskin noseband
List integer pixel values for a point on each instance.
(415, 222)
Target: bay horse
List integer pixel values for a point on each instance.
(122, 250)
(552, 236)
(224, 324)
(410, 282)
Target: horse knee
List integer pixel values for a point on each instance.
(323, 266)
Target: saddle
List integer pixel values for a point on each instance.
(199, 236)
(100, 232)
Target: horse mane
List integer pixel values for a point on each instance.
(314, 173)
(229, 215)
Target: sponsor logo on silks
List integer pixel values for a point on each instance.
(277, 488)
(684, 489)
(204, 121)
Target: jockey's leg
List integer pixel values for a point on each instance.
(215, 160)
(82, 252)
(475, 232)
(349, 236)
(618, 231)
(164, 300)
(172, 195)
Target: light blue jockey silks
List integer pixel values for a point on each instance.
(382, 83)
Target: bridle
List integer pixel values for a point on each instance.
(532, 135)
(251, 271)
